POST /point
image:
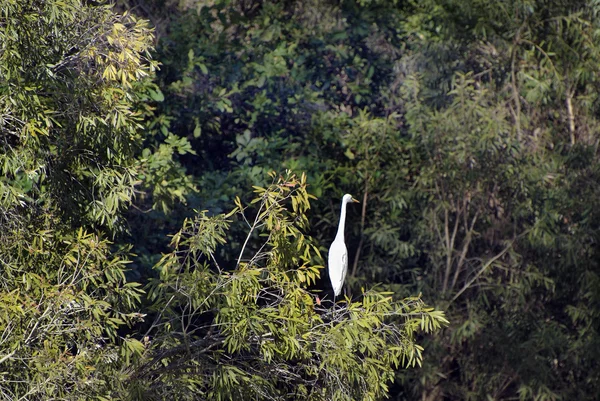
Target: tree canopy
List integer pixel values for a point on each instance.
(171, 179)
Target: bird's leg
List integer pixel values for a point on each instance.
(335, 308)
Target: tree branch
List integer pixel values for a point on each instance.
(481, 271)
(570, 116)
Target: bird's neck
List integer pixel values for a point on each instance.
(340, 232)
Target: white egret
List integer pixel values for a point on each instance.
(338, 254)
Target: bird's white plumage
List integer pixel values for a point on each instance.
(338, 265)
(338, 254)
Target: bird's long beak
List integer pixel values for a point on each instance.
(354, 200)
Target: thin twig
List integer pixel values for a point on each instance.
(466, 244)
(481, 271)
(570, 116)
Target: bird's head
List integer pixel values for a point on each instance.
(348, 198)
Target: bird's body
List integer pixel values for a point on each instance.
(338, 265)
(338, 254)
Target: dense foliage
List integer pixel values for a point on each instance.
(69, 131)
(87, 166)
(137, 263)
(254, 330)
(468, 130)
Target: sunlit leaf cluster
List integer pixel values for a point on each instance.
(254, 328)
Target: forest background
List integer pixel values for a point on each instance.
(171, 180)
